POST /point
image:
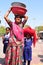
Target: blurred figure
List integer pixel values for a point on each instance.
(6, 39)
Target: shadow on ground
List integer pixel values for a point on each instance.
(2, 61)
(41, 57)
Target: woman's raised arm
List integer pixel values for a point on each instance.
(6, 17)
(25, 20)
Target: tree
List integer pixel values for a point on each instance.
(2, 30)
(39, 28)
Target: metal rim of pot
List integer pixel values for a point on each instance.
(18, 4)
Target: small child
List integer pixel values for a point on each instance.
(27, 53)
(6, 39)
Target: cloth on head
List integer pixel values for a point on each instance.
(32, 32)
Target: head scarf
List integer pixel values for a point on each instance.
(32, 32)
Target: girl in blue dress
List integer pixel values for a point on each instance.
(27, 52)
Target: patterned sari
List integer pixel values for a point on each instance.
(14, 49)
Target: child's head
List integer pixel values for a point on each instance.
(28, 36)
(7, 30)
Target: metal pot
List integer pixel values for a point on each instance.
(19, 8)
(18, 4)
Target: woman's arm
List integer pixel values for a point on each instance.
(25, 20)
(6, 17)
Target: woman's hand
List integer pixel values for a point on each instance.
(25, 17)
(25, 20)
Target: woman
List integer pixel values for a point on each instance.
(13, 52)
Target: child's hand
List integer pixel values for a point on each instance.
(2, 37)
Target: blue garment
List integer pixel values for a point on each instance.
(27, 53)
(5, 42)
(27, 42)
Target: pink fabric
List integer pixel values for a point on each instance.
(17, 31)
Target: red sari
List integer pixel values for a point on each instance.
(14, 49)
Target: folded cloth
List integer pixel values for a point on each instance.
(32, 32)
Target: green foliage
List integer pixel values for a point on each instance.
(2, 30)
(39, 28)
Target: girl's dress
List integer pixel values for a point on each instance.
(27, 53)
(14, 51)
(5, 42)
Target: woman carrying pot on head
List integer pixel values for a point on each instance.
(13, 52)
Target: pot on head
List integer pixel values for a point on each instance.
(18, 8)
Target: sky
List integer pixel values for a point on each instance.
(34, 11)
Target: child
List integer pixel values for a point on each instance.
(30, 37)
(6, 39)
(27, 53)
